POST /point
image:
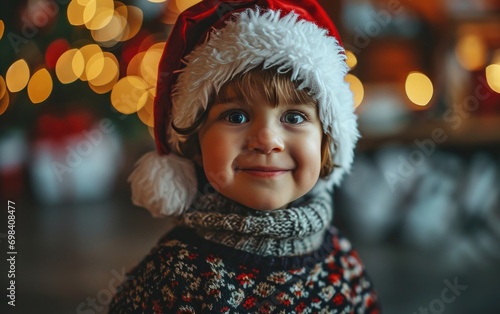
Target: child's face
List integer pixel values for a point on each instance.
(261, 156)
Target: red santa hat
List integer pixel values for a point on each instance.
(210, 44)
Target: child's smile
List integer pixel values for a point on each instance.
(260, 155)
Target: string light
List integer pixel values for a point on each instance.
(493, 77)
(4, 96)
(130, 94)
(146, 113)
(2, 28)
(356, 88)
(40, 86)
(471, 52)
(419, 88)
(70, 66)
(4, 102)
(17, 76)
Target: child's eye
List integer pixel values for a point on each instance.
(236, 117)
(293, 118)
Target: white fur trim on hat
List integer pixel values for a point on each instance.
(256, 37)
(164, 185)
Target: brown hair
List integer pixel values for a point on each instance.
(276, 88)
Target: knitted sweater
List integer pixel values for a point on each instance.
(185, 273)
(228, 258)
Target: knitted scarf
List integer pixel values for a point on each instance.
(296, 230)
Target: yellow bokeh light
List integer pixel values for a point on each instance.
(40, 86)
(134, 22)
(134, 66)
(2, 29)
(121, 9)
(157, 1)
(94, 66)
(171, 13)
(356, 88)
(112, 32)
(471, 52)
(351, 60)
(103, 89)
(149, 65)
(101, 15)
(83, 2)
(183, 5)
(4, 103)
(17, 76)
(3, 87)
(129, 95)
(419, 88)
(146, 112)
(493, 77)
(89, 11)
(88, 52)
(109, 70)
(70, 66)
(75, 13)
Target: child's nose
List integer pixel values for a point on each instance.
(266, 140)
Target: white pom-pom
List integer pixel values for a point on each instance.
(164, 185)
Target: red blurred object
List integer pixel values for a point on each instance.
(12, 182)
(54, 51)
(50, 127)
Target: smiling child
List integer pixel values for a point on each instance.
(254, 125)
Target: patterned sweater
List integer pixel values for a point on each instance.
(186, 273)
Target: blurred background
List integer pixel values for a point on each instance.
(422, 204)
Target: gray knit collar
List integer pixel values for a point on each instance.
(296, 230)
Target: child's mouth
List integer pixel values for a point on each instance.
(263, 172)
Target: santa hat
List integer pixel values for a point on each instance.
(211, 43)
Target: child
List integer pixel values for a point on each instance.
(255, 124)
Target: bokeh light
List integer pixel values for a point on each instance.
(3, 87)
(183, 5)
(493, 77)
(2, 28)
(149, 65)
(134, 22)
(40, 86)
(88, 52)
(157, 1)
(351, 60)
(98, 14)
(110, 34)
(419, 88)
(174, 8)
(130, 94)
(70, 66)
(471, 52)
(4, 102)
(356, 88)
(75, 12)
(17, 76)
(134, 66)
(146, 113)
(107, 67)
